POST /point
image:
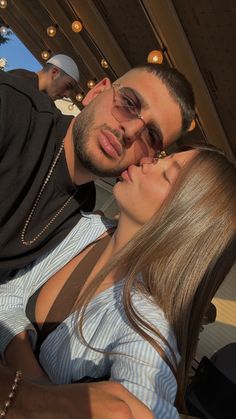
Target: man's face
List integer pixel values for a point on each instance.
(107, 145)
(61, 85)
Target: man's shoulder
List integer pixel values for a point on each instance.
(20, 86)
(22, 72)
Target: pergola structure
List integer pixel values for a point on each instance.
(195, 37)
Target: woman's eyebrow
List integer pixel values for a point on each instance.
(177, 165)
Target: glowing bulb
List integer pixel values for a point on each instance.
(45, 55)
(91, 84)
(77, 26)
(192, 125)
(3, 62)
(104, 63)
(162, 154)
(79, 97)
(3, 4)
(155, 57)
(51, 31)
(3, 30)
(71, 107)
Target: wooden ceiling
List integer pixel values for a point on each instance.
(198, 38)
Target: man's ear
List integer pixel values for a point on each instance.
(102, 85)
(55, 72)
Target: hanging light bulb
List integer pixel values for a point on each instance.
(77, 26)
(91, 84)
(3, 30)
(79, 97)
(3, 4)
(45, 55)
(104, 63)
(71, 107)
(162, 154)
(51, 31)
(3, 62)
(155, 56)
(192, 125)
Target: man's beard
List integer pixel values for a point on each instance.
(82, 129)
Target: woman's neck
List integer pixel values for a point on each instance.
(124, 232)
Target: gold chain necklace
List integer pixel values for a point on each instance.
(24, 230)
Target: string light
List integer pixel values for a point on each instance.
(71, 107)
(79, 97)
(104, 63)
(91, 84)
(77, 26)
(155, 56)
(3, 30)
(3, 4)
(45, 55)
(3, 62)
(51, 31)
(192, 125)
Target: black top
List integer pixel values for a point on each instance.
(30, 75)
(31, 133)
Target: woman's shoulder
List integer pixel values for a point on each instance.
(151, 313)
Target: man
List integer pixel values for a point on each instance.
(57, 78)
(49, 160)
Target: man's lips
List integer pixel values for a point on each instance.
(110, 144)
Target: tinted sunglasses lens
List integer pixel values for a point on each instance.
(123, 113)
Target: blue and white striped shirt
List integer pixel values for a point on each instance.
(132, 361)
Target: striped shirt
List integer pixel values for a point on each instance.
(131, 361)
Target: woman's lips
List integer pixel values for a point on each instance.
(126, 175)
(110, 144)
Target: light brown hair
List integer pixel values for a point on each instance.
(184, 253)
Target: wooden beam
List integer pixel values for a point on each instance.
(54, 9)
(96, 26)
(164, 17)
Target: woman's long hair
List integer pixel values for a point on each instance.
(184, 252)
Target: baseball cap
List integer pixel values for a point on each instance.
(66, 64)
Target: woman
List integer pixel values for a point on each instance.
(140, 307)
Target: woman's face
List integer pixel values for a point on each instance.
(143, 189)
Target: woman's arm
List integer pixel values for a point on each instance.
(13, 298)
(17, 334)
(138, 409)
(74, 401)
(19, 356)
(140, 369)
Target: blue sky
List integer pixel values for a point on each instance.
(18, 56)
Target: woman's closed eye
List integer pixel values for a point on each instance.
(166, 177)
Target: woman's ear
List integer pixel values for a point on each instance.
(102, 85)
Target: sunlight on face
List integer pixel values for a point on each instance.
(144, 188)
(114, 142)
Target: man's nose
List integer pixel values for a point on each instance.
(132, 128)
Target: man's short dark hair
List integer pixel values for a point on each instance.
(48, 67)
(179, 88)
